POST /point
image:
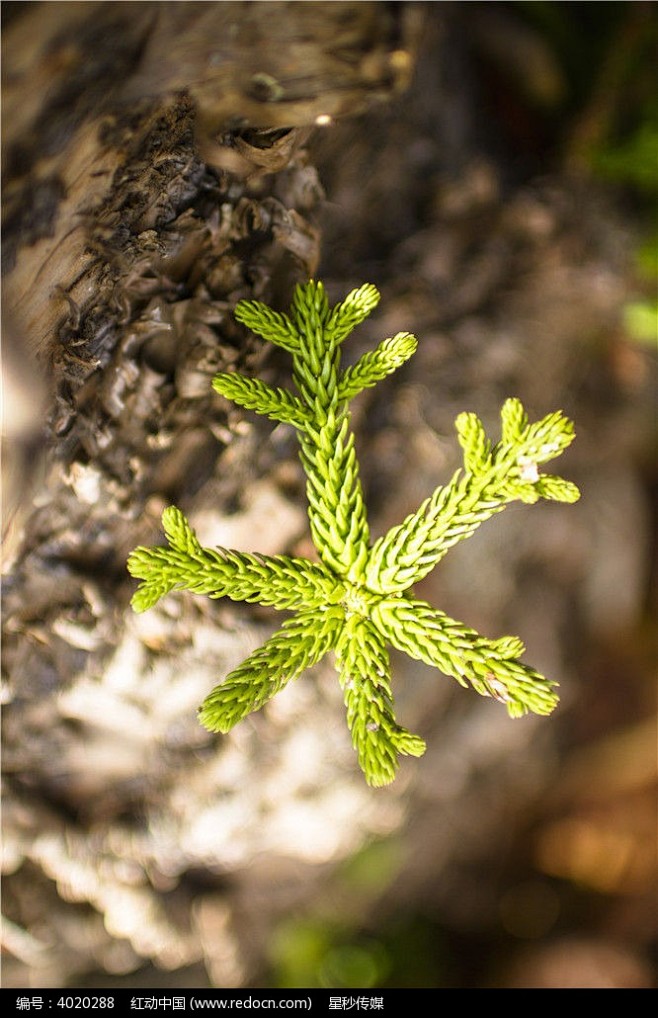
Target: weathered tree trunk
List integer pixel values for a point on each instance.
(161, 163)
(154, 175)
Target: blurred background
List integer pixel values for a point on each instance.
(493, 170)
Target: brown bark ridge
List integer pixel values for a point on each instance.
(154, 174)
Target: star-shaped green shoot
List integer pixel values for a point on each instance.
(357, 600)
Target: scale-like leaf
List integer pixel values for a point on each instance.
(300, 642)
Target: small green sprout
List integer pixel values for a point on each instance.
(358, 598)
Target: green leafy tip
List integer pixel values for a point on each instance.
(357, 599)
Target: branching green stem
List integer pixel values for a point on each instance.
(357, 599)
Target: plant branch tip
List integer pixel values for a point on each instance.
(357, 600)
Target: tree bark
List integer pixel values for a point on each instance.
(154, 174)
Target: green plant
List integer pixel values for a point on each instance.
(357, 599)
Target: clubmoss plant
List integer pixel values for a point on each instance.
(358, 598)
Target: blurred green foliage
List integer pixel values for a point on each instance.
(607, 54)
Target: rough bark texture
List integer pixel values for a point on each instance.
(161, 162)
